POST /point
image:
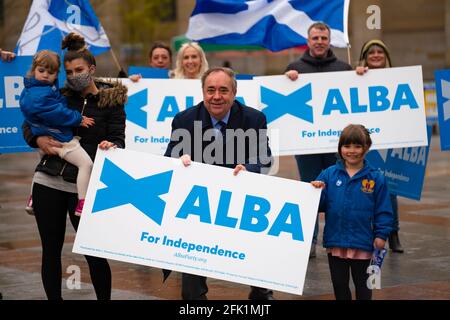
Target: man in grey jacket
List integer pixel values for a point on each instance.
(317, 58)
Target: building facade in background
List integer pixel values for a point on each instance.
(416, 31)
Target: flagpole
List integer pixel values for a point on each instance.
(348, 54)
(115, 60)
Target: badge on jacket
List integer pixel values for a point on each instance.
(367, 186)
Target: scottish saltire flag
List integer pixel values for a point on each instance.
(273, 24)
(50, 20)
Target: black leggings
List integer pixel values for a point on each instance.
(340, 276)
(50, 210)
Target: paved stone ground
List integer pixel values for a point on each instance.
(422, 272)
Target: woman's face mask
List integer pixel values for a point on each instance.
(80, 81)
(79, 74)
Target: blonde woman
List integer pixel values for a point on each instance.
(374, 55)
(191, 62)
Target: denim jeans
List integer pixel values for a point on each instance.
(309, 168)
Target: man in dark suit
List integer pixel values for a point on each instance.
(220, 131)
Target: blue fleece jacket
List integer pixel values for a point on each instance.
(46, 111)
(357, 209)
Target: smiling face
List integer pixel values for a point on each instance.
(160, 59)
(191, 63)
(218, 94)
(376, 57)
(318, 42)
(353, 154)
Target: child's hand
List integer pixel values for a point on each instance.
(379, 243)
(318, 184)
(87, 122)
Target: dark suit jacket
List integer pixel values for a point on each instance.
(241, 117)
(243, 151)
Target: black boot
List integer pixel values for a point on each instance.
(258, 293)
(394, 242)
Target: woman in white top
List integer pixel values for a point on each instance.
(191, 62)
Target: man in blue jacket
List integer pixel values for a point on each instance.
(214, 132)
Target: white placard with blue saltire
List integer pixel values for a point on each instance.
(404, 168)
(261, 22)
(311, 112)
(152, 104)
(151, 210)
(50, 20)
(11, 118)
(442, 78)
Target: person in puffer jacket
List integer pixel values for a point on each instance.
(54, 189)
(358, 213)
(45, 110)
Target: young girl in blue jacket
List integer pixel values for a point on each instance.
(358, 213)
(45, 110)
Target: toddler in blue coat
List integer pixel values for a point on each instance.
(358, 213)
(45, 110)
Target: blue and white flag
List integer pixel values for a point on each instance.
(50, 20)
(273, 24)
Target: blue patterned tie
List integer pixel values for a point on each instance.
(221, 126)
